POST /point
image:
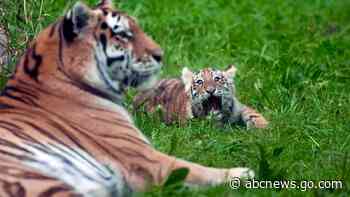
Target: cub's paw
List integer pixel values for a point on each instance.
(217, 115)
(255, 121)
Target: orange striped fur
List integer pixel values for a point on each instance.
(63, 130)
(170, 96)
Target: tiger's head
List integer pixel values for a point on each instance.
(208, 83)
(101, 49)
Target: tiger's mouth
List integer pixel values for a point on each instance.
(144, 74)
(212, 103)
(119, 75)
(119, 69)
(112, 85)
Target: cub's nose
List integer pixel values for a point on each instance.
(157, 54)
(210, 90)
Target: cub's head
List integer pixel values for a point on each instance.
(102, 49)
(208, 83)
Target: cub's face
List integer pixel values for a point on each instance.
(208, 83)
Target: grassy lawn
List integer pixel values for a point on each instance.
(294, 67)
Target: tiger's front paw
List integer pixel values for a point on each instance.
(219, 118)
(256, 122)
(217, 115)
(242, 173)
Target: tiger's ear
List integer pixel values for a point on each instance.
(75, 21)
(105, 3)
(186, 78)
(230, 72)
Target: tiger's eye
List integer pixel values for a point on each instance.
(217, 78)
(199, 82)
(127, 35)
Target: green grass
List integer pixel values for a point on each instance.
(294, 67)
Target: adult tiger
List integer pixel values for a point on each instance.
(62, 129)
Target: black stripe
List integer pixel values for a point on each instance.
(126, 137)
(5, 106)
(32, 70)
(52, 30)
(14, 189)
(22, 99)
(52, 191)
(9, 144)
(60, 45)
(21, 90)
(65, 132)
(68, 30)
(12, 171)
(17, 131)
(100, 146)
(111, 60)
(103, 39)
(42, 131)
(16, 156)
(45, 91)
(97, 92)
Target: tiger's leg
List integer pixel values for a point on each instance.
(234, 111)
(201, 175)
(146, 99)
(252, 118)
(230, 109)
(159, 166)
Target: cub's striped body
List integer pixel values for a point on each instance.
(63, 131)
(170, 96)
(198, 95)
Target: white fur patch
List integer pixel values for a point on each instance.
(186, 78)
(76, 168)
(103, 80)
(117, 23)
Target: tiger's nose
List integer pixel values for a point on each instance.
(157, 54)
(210, 90)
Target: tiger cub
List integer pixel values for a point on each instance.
(198, 95)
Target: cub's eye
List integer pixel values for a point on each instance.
(124, 34)
(199, 82)
(217, 78)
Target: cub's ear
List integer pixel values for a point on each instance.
(230, 71)
(186, 77)
(105, 3)
(75, 21)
